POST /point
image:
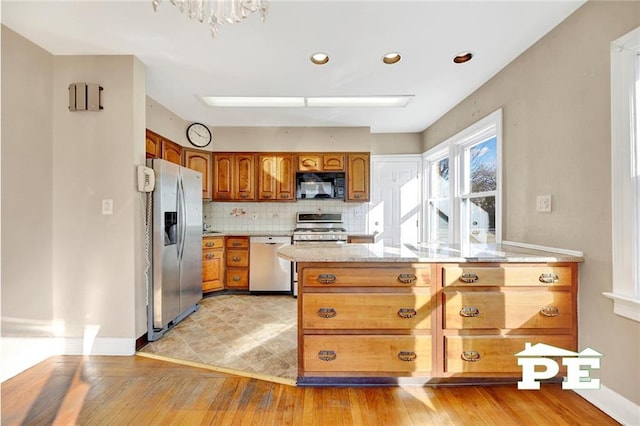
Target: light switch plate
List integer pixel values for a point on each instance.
(107, 206)
(543, 203)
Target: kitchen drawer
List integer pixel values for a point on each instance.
(238, 242)
(237, 258)
(493, 354)
(237, 278)
(367, 277)
(366, 311)
(507, 309)
(212, 242)
(356, 353)
(506, 275)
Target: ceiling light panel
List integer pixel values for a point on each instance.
(253, 101)
(359, 101)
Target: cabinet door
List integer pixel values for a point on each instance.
(286, 178)
(212, 270)
(244, 177)
(153, 144)
(309, 162)
(267, 177)
(222, 176)
(333, 162)
(358, 177)
(200, 161)
(171, 151)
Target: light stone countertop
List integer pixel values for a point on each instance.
(379, 252)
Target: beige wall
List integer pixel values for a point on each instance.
(27, 171)
(161, 120)
(94, 156)
(64, 262)
(556, 123)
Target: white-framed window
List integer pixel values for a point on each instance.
(625, 174)
(463, 185)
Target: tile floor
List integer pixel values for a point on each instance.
(252, 333)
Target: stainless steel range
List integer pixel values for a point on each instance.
(319, 227)
(314, 228)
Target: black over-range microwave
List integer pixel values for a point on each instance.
(320, 185)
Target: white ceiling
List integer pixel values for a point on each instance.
(253, 58)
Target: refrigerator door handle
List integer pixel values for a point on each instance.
(181, 219)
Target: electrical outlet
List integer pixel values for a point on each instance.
(543, 203)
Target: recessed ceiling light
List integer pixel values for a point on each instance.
(253, 101)
(319, 58)
(463, 57)
(391, 58)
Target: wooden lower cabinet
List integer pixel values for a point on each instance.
(237, 262)
(430, 321)
(213, 265)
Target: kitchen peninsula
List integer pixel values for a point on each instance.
(374, 313)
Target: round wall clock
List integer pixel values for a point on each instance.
(199, 135)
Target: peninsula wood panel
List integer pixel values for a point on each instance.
(380, 354)
(367, 311)
(494, 354)
(508, 309)
(368, 276)
(506, 275)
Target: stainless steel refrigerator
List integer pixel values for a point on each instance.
(176, 283)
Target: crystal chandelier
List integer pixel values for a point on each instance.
(217, 12)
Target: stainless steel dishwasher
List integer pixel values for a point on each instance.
(267, 271)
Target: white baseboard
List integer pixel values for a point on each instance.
(615, 405)
(21, 353)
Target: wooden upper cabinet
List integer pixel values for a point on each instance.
(153, 144)
(200, 161)
(309, 162)
(222, 176)
(333, 162)
(276, 177)
(233, 177)
(330, 162)
(171, 151)
(286, 177)
(358, 177)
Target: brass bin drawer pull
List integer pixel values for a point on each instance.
(550, 311)
(236, 278)
(327, 355)
(407, 356)
(407, 278)
(326, 278)
(236, 258)
(209, 244)
(469, 278)
(209, 255)
(407, 312)
(469, 311)
(470, 356)
(548, 278)
(327, 312)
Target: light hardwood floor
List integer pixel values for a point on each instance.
(67, 390)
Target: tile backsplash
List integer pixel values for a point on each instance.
(231, 217)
